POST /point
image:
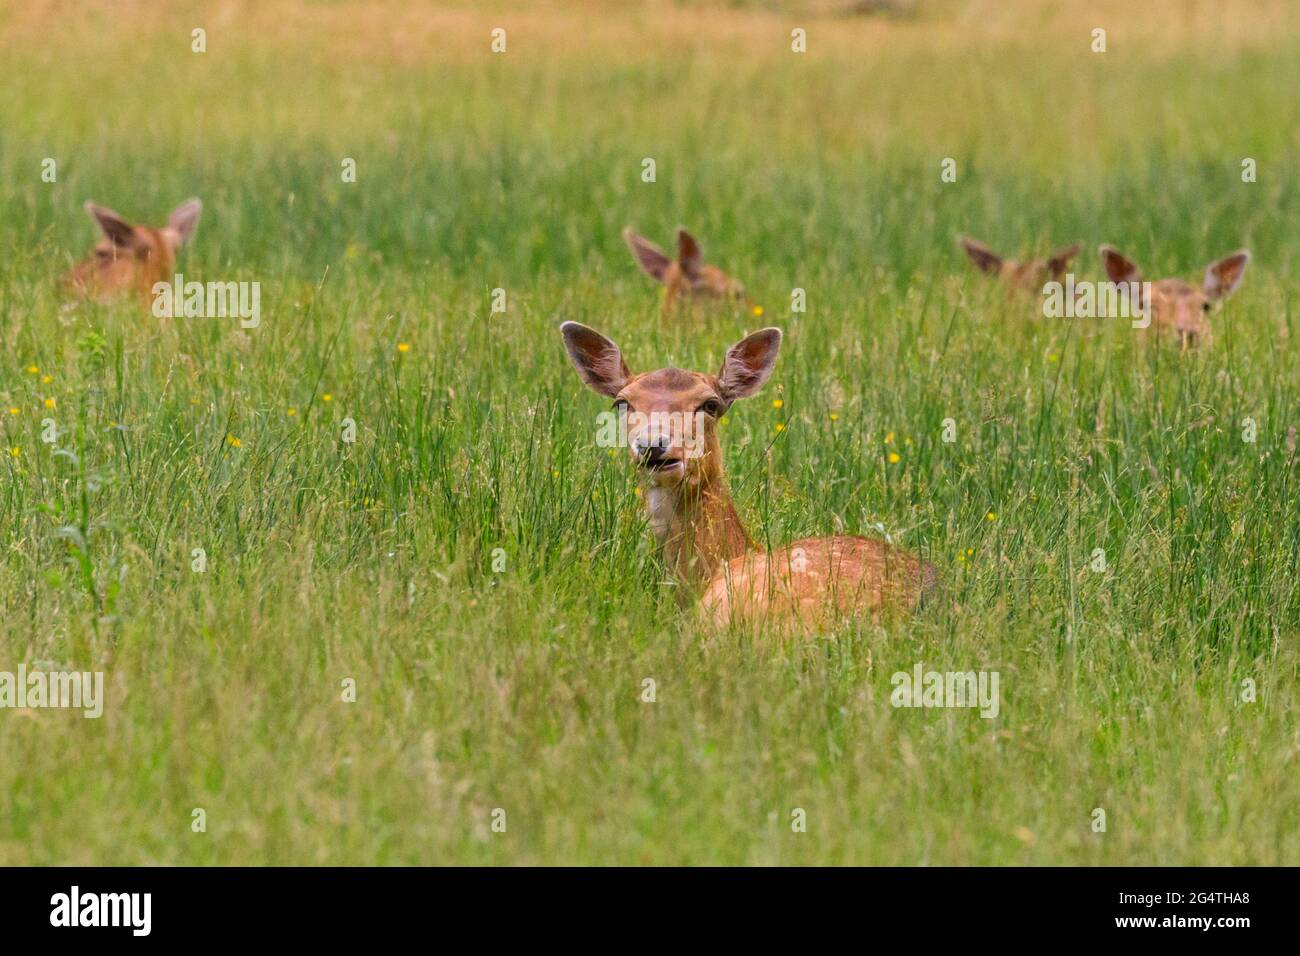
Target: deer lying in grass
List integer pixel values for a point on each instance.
(1027, 276)
(131, 257)
(668, 419)
(1177, 306)
(687, 276)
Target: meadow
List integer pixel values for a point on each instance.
(483, 572)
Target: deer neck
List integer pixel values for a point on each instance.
(697, 528)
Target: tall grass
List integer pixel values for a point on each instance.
(522, 689)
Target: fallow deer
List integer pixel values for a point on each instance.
(687, 276)
(1027, 276)
(1177, 306)
(129, 257)
(669, 421)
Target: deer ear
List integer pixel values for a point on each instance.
(688, 253)
(1118, 267)
(597, 359)
(1060, 261)
(749, 363)
(182, 222)
(1223, 277)
(116, 229)
(652, 260)
(985, 259)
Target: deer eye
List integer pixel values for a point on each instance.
(712, 408)
(622, 405)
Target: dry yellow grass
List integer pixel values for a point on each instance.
(382, 32)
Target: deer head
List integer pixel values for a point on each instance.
(1029, 275)
(129, 257)
(687, 276)
(1177, 306)
(669, 416)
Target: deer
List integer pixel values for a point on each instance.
(687, 276)
(129, 257)
(1179, 307)
(669, 423)
(1028, 275)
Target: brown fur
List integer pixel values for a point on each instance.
(1028, 276)
(686, 277)
(1177, 307)
(700, 534)
(130, 258)
(816, 579)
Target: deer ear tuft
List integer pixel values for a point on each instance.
(1223, 277)
(1119, 268)
(688, 253)
(985, 259)
(598, 360)
(116, 229)
(184, 219)
(652, 260)
(749, 363)
(1060, 260)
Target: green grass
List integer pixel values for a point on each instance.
(521, 690)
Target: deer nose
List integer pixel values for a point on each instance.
(651, 451)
